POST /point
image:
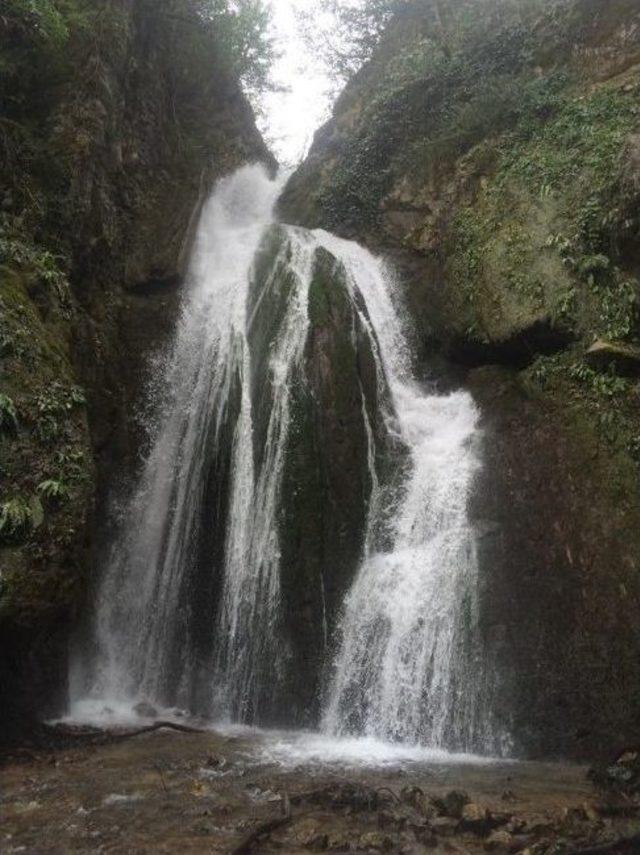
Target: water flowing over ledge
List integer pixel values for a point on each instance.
(287, 339)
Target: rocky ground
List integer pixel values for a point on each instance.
(168, 791)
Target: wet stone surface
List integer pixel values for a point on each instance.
(205, 792)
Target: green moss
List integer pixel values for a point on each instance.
(534, 242)
(602, 406)
(328, 298)
(47, 445)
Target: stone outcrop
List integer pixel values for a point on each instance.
(326, 482)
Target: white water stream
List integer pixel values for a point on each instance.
(408, 661)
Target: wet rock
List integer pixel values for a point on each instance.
(451, 804)
(418, 800)
(540, 829)
(339, 842)
(498, 841)
(354, 797)
(475, 819)
(411, 795)
(377, 841)
(590, 812)
(516, 825)
(145, 710)
(392, 819)
(574, 815)
(621, 776)
(426, 839)
(308, 834)
(419, 848)
(444, 826)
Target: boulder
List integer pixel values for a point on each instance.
(308, 834)
(444, 825)
(376, 840)
(418, 800)
(452, 803)
(498, 841)
(475, 819)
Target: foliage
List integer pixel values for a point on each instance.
(72, 463)
(53, 489)
(343, 34)
(8, 415)
(54, 404)
(42, 264)
(576, 158)
(605, 399)
(33, 38)
(235, 33)
(44, 19)
(16, 517)
(242, 33)
(432, 105)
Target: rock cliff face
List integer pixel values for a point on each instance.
(498, 165)
(108, 144)
(326, 480)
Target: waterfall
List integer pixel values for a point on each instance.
(190, 608)
(143, 646)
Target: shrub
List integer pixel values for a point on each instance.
(16, 517)
(53, 490)
(8, 415)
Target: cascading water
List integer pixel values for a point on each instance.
(189, 612)
(142, 629)
(409, 664)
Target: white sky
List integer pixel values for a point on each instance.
(291, 118)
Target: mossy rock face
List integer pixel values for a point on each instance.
(326, 483)
(557, 510)
(47, 472)
(47, 460)
(501, 163)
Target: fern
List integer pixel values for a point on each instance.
(53, 490)
(8, 415)
(16, 517)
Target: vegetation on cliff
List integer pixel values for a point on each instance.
(115, 117)
(505, 154)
